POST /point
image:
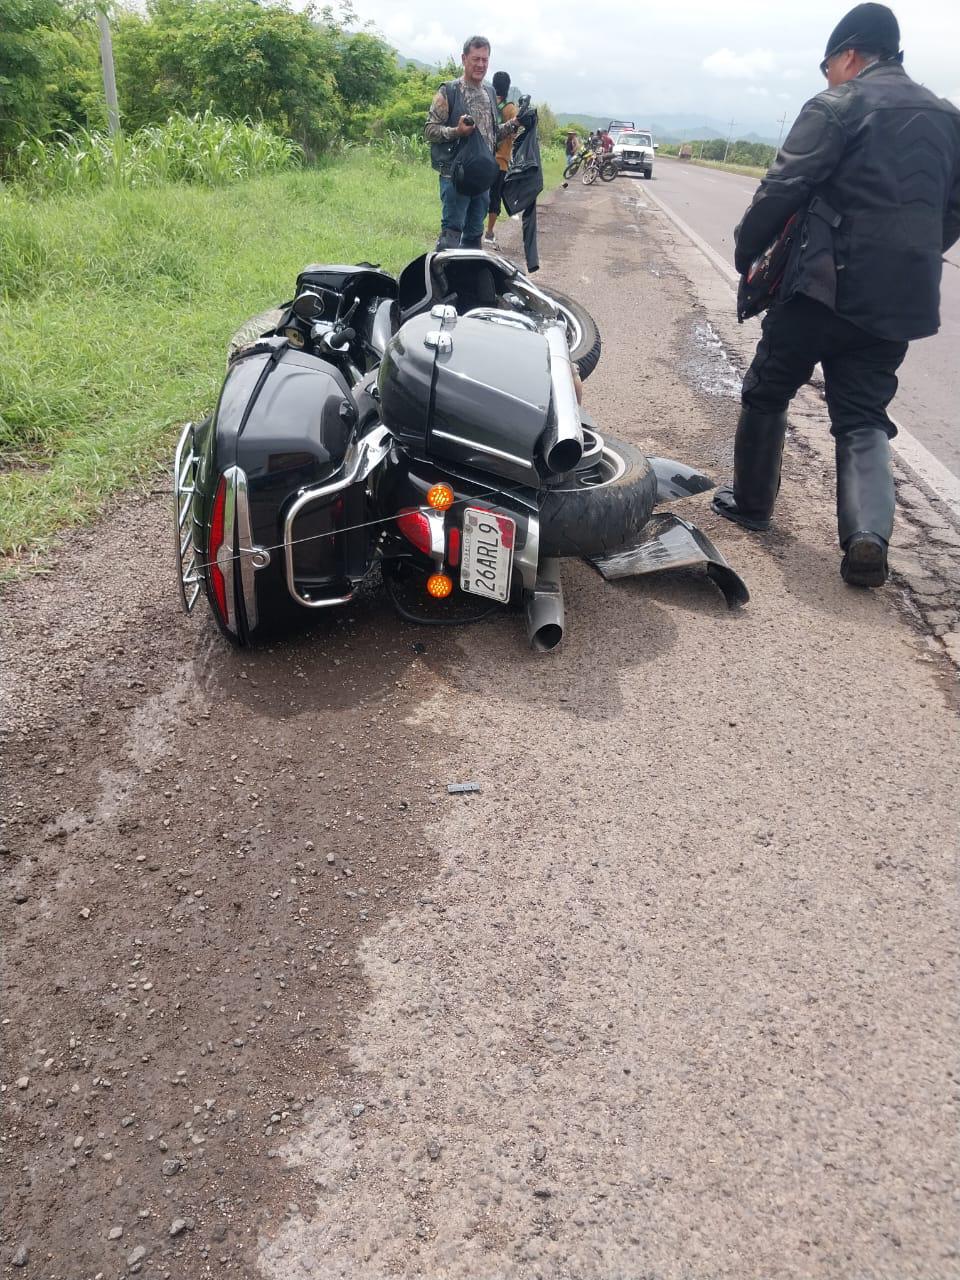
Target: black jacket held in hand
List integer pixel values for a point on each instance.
(882, 153)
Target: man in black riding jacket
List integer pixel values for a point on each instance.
(872, 169)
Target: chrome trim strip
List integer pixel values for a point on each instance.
(225, 556)
(251, 558)
(369, 453)
(482, 448)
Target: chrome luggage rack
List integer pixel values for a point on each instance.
(184, 486)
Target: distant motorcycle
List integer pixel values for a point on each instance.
(428, 425)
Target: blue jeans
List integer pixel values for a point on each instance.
(462, 217)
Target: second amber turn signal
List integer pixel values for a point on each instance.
(440, 497)
(439, 586)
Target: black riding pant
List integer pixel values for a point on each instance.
(859, 370)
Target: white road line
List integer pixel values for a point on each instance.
(924, 467)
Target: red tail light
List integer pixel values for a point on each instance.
(415, 527)
(453, 546)
(217, 580)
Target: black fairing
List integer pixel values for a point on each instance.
(483, 404)
(363, 281)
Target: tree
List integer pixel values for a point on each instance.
(236, 57)
(48, 69)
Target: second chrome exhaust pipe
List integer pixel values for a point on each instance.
(544, 606)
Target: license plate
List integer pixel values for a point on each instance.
(487, 559)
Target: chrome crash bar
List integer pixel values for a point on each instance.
(366, 457)
(184, 487)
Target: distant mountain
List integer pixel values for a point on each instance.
(667, 128)
(413, 62)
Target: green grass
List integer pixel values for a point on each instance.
(116, 308)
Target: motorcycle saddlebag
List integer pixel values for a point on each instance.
(468, 390)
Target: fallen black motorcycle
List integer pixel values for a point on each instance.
(429, 425)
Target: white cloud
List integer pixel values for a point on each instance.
(727, 65)
(754, 91)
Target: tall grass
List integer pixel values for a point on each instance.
(204, 149)
(116, 307)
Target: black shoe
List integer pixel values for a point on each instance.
(757, 455)
(864, 561)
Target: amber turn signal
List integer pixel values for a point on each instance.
(440, 497)
(439, 586)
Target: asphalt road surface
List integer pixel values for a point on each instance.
(712, 202)
(675, 995)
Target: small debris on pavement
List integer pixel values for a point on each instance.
(115, 1233)
(21, 1257)
(462, 788)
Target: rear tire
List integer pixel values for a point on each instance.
(571, 169)
(593, 512)
(609, 170)
(590, 175)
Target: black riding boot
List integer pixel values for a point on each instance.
(470, 242)
(866, 503)
(757, 454)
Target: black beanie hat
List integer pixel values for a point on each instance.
(870, 27)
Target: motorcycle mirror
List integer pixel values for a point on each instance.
(310, 304)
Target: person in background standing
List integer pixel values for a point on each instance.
(606, 142)
(573, 145)
(471, 104)
(507, 111)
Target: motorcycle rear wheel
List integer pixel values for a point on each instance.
(571, 169)
(590, 175)
(601, 508)
(609, 170)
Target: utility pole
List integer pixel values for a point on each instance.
(729, 136)
(109, 79)
(782, 121)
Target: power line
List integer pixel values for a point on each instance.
(729, 136)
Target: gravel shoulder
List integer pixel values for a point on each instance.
(675, 995)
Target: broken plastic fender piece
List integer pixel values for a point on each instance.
(672, 543)
(462, 788)
(677, 480)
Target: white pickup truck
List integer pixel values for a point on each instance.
(634, 152)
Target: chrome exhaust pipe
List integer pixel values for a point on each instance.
(544, 606)
(563, 438)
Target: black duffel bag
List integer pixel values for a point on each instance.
(474, 165)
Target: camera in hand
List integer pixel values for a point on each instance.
(469, 120)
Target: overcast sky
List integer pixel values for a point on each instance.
(749, 60)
